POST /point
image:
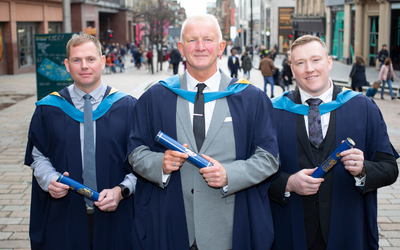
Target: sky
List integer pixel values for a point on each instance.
(194, 7)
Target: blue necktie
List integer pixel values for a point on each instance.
(199, 123)
(314, 122)
(89, 160)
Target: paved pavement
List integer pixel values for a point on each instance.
(15, 178)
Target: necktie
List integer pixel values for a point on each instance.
(199, 124)
(314, 122)
(89, 160)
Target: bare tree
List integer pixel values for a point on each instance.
(158, 16)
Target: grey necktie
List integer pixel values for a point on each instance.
(89, 160)
(314, 122)
(199, 124)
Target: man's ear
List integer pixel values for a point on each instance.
(66, 65)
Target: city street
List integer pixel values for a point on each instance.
(15, 178)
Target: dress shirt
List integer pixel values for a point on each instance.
(325, 97)
(212, 85)
(44, 171)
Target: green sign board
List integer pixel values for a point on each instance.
(50, 51)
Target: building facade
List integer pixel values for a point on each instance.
(351, 27)
(19, 22)
(266, 22)
(111, 21)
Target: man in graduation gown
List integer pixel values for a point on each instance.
(63, 219)
(224, 206)
(339, 210)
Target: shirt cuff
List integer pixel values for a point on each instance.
(130, 182)
(165, 177)
(360, 182)
(225, 189)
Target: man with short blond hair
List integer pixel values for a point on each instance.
(84, 126)
(312, 121)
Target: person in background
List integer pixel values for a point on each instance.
(246, 65)
(139, 57)
(224, 206)
(286, 57)
(272, 53)
(120, 63)
(267, 68)
(175, 58)
(110, 64)
(386, 75)
(287, 74)
(168, 60)
(383, 54)
(62, 139)
(233, 64)
(339, 209)
(149, 56)
(357, 74)
(122, 52)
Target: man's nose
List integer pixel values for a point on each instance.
(84, 63)
(200, 45)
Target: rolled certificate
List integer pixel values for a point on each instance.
(78, 187)
(193, 158)
(332, 159)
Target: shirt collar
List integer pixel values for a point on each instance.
(325, 97)
(96, 94)
(212, 83)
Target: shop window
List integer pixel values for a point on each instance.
(55, 27)
(373, 40)
(25, 35)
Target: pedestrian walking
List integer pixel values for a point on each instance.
(386, 75)
(357, 74)
(382, 55)
(233, 64)
(267, 68)
(247, 65)
(287, 74)
(175, 58)
(149, 56)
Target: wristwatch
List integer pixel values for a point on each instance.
(361, 174)
(125, 192)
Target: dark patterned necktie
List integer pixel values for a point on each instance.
(89, 160)
(314, 122)
(199, 123)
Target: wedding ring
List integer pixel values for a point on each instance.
(174, 163)
(209, 179)
(355, 163)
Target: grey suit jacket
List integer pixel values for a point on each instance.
(209, 211)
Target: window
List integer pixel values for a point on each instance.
(55, 27)
(25, 36)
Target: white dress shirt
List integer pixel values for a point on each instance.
(212, 85)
